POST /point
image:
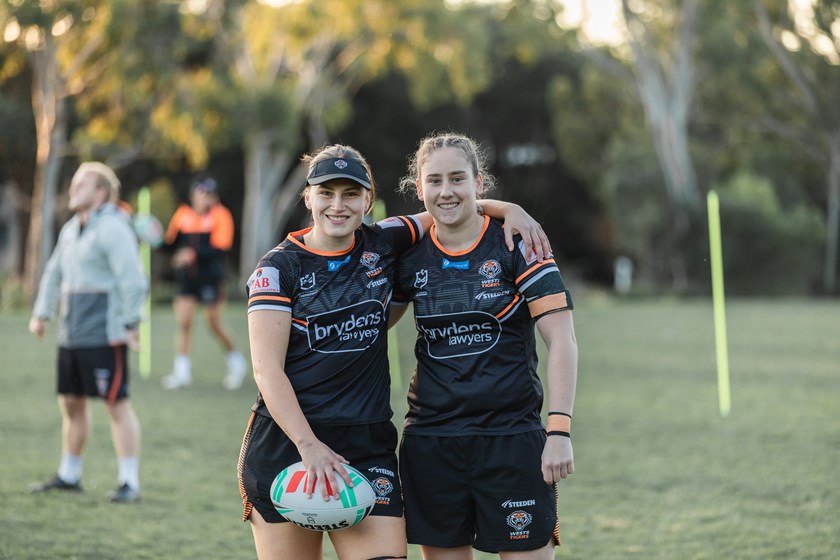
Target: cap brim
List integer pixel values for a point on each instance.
(329, 177)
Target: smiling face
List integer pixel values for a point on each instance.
(449, 188)
(338, 207)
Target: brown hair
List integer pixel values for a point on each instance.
(473, 153)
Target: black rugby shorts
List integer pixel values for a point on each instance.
(94, 372)
(206, 287)
(370, 448)
(484, 491)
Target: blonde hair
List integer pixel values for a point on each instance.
(472, 153)
(106, 178)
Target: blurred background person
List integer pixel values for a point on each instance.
(201, 233)
(95, 280)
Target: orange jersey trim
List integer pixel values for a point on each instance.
(545, 304)
(300, 233)
(432, 232)
(510, 305)
(269, 298)
(532, 269)
(411, 227)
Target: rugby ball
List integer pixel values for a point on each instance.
(290, 500)
(148, 229)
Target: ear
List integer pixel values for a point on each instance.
(306, 199)
(479, 185)
(418, 189)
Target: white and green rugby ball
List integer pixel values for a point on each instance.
(290, 500)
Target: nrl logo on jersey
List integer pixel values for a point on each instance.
(307, 282)
(420, 278)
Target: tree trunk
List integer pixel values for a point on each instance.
(264, 170)
(665, 92)
(832, 216)
(51, 132)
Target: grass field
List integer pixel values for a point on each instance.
(659, 474)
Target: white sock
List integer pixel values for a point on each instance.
(129, 472)
(70, 468)
(183, 365)
(234, 356)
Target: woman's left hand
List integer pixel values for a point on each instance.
(533, 236)
(557, 459)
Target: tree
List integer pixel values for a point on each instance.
(74, 49)
(806, 46)
(287, 74)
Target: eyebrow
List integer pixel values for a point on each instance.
(458, 172)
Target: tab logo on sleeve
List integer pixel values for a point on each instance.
(264, 279)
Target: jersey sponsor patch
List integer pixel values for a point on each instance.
(264, 279)
(332, 266)
(459, 334)
(393, 221)
(458, 265)
(349, 329)
(530, 256)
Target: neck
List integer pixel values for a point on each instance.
(85, 213)
(318, 241)
(459, 237)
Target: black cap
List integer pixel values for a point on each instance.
(206, 184)
(339, 168)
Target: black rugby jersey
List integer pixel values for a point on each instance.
(337, 360)
(476, 352)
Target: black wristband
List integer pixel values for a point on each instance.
(559, 433)
(559, 414)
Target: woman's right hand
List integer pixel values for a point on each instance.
(323, 463)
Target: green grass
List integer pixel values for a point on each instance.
(660, 475)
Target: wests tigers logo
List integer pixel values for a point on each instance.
(490, 269)
(519, 519)
(369, 259)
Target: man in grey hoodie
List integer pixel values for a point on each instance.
(95, 281)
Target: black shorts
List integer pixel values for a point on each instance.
(483, 491)
(205, 286)
(370, 448)
(94, 372)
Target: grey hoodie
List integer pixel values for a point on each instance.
(95, 275)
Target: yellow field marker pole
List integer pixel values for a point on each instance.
(144, 206)
(722, 353)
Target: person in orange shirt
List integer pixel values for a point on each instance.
(201, 233)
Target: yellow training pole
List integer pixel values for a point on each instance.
(144, 206)
(379, 213)
(722, 353)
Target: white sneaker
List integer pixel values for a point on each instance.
(181, 375)
(237, 367)
(175, 381)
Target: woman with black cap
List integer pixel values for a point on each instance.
(317, 321)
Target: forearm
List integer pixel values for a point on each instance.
(496, 208)
(557, 330)
(561, 377)
(282, 403)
